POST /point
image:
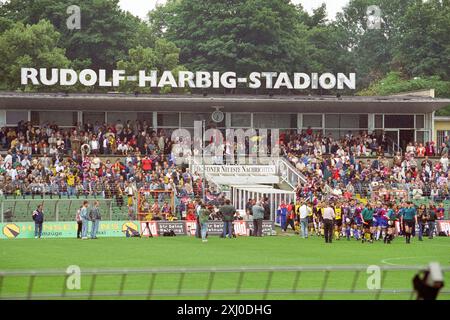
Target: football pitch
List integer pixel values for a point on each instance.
(190, 253)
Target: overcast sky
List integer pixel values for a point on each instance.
(141, 7)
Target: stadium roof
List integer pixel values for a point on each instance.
(227, 103)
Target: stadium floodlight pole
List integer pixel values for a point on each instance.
(203, 162)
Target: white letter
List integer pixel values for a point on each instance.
(269, 76)
(102, 79)
(202, 79)
(255, 83)
(74, 20)
(143, 78)
(117, 77)
(283, 80)
(216, 79)
(350, 83)
(83, 77)
(228, 80)
(43, 77)
(374, 280)
(74, 280)
(214, 150)
(63, 73)
(28, 73)
(184, 76)
(297, 82)
(167, 79)
(315, 81)
(181, 149)
(323, 81)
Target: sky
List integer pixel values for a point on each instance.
(140, 8)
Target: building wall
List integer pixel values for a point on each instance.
(441, 129)
(335, 124)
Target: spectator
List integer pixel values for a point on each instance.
(227, 212)
(95, 217)
(38, 217)
(258, 215)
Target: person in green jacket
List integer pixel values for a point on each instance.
(367, 217)
(203, 217)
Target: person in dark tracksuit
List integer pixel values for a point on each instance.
(38, 217)
(422, 220)
(79, 223)
(431, 220)
(227, 211)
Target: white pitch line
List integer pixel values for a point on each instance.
(399, 258)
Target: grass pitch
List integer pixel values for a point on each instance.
(189, 252)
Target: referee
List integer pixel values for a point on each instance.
(328, 216)
(409, 218)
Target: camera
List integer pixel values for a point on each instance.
(427, 283)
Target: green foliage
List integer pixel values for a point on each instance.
(394, 82)
(424, 39)
(242, 36)
(233, 35)
(165, 56)
(106, 34)
(29, 46)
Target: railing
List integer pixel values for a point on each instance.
(289, 174)
(57, 209)
(299, 282)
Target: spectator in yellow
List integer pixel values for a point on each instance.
(71, 184)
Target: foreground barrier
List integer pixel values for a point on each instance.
(307, 282)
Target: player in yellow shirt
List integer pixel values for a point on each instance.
(337, 221)
(310, 219)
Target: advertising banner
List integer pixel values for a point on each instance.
(24, 230)
(267, 227)
(443, 226)
(215, 228)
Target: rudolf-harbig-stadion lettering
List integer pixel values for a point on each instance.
(188, 79)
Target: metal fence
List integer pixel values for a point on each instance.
(20, 209)
(309, 282)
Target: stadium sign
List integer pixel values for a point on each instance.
(235, 169)
(188, 79)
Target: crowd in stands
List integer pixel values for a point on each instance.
(63, 168)
(336, 168)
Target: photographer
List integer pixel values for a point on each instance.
(227, 211)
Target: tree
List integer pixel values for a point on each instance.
(164, 57)
(424, 39)
(29, 46)
(233, 35)
(106, 34)
(371, 49)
